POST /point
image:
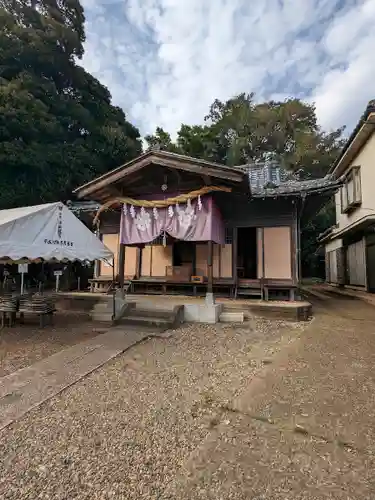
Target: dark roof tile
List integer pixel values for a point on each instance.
(270, 179)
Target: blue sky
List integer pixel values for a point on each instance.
(165, 61)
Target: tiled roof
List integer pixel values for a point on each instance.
(297, 187)
(270, 179)
(82, 206)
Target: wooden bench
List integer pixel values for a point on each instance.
(8, 318)
(38, 305)
(43, 316)
(8, 307)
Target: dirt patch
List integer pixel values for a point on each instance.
(24, 345)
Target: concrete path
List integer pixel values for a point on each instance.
(29, 387)
(304, 428)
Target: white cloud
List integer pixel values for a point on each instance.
(165, 61)
(342, 93)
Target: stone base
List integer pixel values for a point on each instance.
(209, 299)
(232, 317)
(202, 313)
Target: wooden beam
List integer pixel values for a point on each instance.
(202, 170)
(179, 164)
(149, 190)
(114, 190)
(178, 177)
(135, 179)
(116, 175)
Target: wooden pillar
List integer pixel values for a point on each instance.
(194, 259)
(263, 286)
(296, 248)
(235, 254)
(121, 265)
(138, 263)
(209, 295)
(263, 256)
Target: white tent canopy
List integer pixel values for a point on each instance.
(49, 232)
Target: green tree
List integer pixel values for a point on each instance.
(161, 140)
(240, 131)
(58, 128)
(312, 227)
(288, 129)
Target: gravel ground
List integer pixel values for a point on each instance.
(303, 428)
(24, 345)
(125, 431)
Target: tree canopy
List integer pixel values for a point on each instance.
(58, 128)
(241, 131)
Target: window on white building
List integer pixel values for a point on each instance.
(351, 196)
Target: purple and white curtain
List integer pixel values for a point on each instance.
(197, 220)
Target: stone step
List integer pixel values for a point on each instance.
(102, 318)
(154, 312)
(102, 304)
(235, 307)
(102, 307)
(232, 317)
(149, 321)
(102, 312)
